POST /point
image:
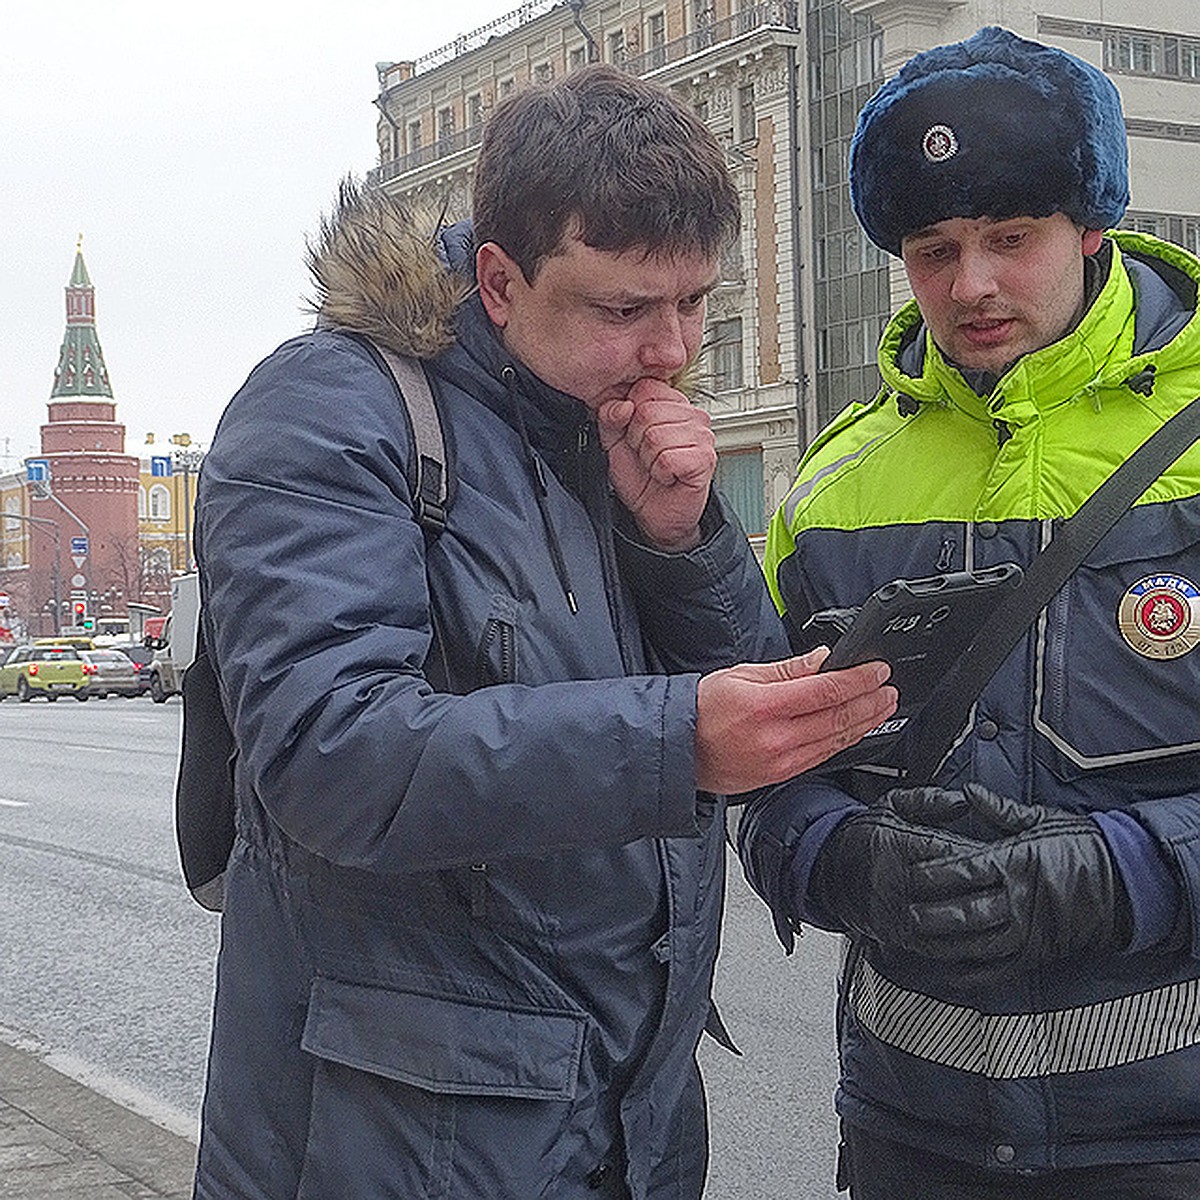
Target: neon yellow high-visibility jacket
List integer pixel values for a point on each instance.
(1096, 710)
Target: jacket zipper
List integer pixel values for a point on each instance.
(593, 488)
(501, 634)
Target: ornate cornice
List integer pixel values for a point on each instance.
(891, 12)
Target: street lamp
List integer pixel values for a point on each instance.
(187, 458)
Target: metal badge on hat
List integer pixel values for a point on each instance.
(939, 143)
(1159, 616)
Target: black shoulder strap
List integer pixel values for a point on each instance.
(940, 721)
(432, 477)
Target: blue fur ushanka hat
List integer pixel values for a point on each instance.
(993, 126)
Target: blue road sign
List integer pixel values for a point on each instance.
(79, 545)
(37, 470)
(160, 464)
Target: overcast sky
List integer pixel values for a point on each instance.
(194, 147)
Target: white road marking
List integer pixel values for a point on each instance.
(13, 803)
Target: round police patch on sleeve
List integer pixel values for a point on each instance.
(1159, 616)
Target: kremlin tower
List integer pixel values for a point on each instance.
(92, 486)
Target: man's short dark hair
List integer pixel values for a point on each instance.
(607, 157)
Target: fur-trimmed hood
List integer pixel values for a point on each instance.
(376, 270)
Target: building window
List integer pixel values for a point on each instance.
(733, 269)
(726, 341)
(414, 136)
(818, 166)
(739, 479)
(869, 332)
(851, 293)
(1189, 60)
(12, 506)
(474, 110)
(1156, 226)
(1132, 52)
(506, 87)
(1138, 52)
(160, 503)
(616, 46)
(543, 73)
(445, 124)
(141, 502)
(656, 40)
(577, 58)
(747, 125)
(868, 58)
(1183, 230)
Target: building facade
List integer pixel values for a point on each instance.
(803, 297)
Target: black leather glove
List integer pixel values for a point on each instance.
(1042, 887)
(863, 875)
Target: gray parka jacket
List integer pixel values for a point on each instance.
(474, 904)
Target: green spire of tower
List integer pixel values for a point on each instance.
(81, 370)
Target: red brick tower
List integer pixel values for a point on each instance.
(91, 490)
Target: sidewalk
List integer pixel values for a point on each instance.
(59, 1140)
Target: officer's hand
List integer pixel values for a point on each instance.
(762, 723)
(1043, 887)
(661, 460)
(864, 876)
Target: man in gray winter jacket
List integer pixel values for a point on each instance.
(473, 908)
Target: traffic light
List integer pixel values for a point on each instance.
(80, 616)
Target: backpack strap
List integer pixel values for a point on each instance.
(430, 475)
(204, 789)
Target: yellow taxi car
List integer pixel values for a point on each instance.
(51, 671)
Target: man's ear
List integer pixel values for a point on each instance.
(1091, 241)
(497, 275)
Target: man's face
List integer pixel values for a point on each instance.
(594, 322)
(992, 291)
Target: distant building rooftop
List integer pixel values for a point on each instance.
(391, 74)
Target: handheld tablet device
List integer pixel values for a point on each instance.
(919, 627)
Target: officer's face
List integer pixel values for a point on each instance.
(594, 322)
(992, 291)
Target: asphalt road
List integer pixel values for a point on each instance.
(108, 964)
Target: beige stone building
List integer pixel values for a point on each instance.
(803, 297)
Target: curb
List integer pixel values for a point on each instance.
(62, 1140)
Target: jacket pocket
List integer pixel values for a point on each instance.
(1118, 669)
(444, 1044)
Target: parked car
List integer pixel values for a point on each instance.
(142, 657)
(110, 673)
(49, 671)
(76, 640)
